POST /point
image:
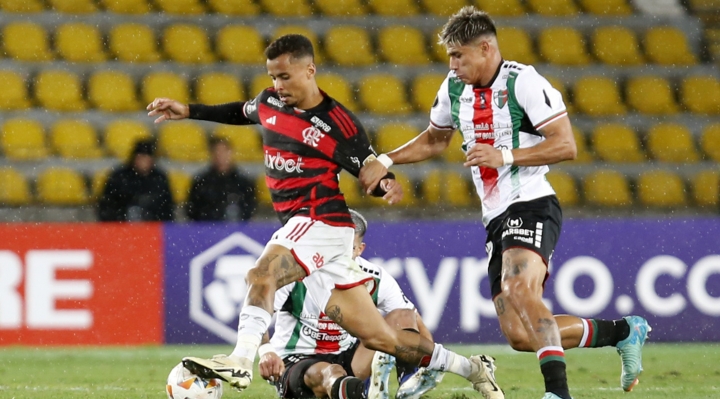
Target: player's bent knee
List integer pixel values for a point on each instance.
(518, 340)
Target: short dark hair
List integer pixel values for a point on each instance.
(360, 223)
(297, 46)
(465, 26)
(215, 140)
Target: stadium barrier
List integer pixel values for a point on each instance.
(183, 283)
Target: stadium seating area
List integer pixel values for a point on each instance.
(644, 93)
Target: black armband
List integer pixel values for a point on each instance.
(379, 192)
(229, 113)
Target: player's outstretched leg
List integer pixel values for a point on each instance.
(419, 383)
(630, 350)
(482, 377)
(382, 365)
(235, 371)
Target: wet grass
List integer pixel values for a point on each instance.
(671, 371)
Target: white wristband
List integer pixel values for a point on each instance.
(507, 157)
(385, 160)
(265, 348)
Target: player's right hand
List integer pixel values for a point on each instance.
(370, 175)
(168, 109)
(271, 367)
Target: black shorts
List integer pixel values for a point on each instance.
(533, 225)
(292, 382)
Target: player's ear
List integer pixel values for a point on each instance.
(311, 70)
(361, 248)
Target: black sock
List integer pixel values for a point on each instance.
(348, 388)
(555, 378)
(405, 369)
(610, 332)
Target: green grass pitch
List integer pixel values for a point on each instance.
(671, 371)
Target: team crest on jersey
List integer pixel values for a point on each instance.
(500, 98)
(312, 136)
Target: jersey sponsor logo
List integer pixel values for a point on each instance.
(319, 123)
(500, 98)
(319, 260)
(467, 99)
(271, 120)
(322, 336)
(515, 222)
(274, 101)
(312, 136)
(277, 162)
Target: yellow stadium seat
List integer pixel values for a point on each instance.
(182, 7)
(126, 6)
(132, 42)
(706, 187)
(259, 83)
(515, 45)
(560, 86)
(553, 8)
(79, 42)
(165, 84)
(240, 44)
(505, 8)
(305, 31)
(351, 190)
(614, 142)
(187, 44)
(245, 141)
(432, 187)
(21, 6)
(437, 50)
(671, 142)
(607, 7)
(23, 139)
(395, 8)
(246, 8)
(392, 135)
(383, 94)
(616, 45)
(14, 93)
(564, 186)
(26, 41)
(607, 188)
(180, 184)
(710, 141)
(62, 186)
(262, 192)
(403, 45)
(660, 188)
(97, 185)
(563, 46)
(287, 8)
(443, 8)
(424, 90)
(651, 95)
(598, 96)
(121, 136)
(446, 187)
(14, 189)
(668, 46)
(583, 154)
(454, 152)
(409, 196)
(219, 88)
(112, 91)
(341, 8)
(701, 94)
(338, 88)
(75, 139)
(349, 46)
(73, 6)
(183, 141)
(59, 91)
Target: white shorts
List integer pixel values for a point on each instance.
(322, 250)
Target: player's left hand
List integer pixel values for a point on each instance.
(485, 155)
(370, 175)
(271, 367)
(393, 190)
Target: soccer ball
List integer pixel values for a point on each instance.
(182, 384)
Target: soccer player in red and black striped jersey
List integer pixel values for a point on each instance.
(307, 139)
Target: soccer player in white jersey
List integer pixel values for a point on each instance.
(311, 356)
(514, 124)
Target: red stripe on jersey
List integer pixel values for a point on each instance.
(346, 117)
(342, 119)
(294, 230)
(483, 115)
(339, 123)
(302, 231)
(297, 259)
(289, 205)
(297, 129)
(295, 182)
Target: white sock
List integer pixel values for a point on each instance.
(254, 321)
(445, 360)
